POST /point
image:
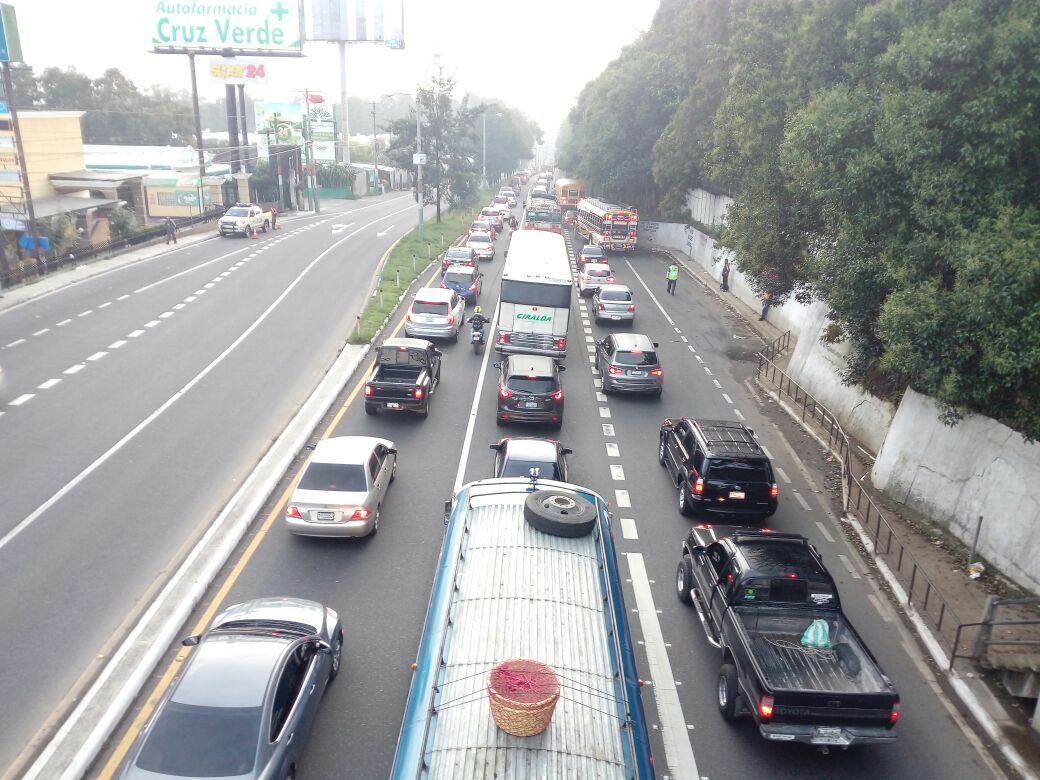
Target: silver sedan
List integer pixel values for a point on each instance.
(341, 491)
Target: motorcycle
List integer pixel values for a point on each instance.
(476, 338)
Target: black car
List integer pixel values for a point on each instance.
(718, 468)
(530, 390)
(516, 458)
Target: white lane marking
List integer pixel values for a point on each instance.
(652, 296)
(676, 329)
(597, 383)
(783, 475)
(85, 313)
(63, 322)
(622, 499)
(226, 273)
(179, 306)
(190, 298)
(855, 574)
(802, 501)
(601, 397)
(628, 528)
(727, 399)
(467, 442)
(592, 359)
(97, 356)
(738, 413)
(826, 534)
(151, 324)
(707, 371)
(48, 384)
(31, 518)
(678, 752)
(690, 347)
(881, 610)
(587, 330)
(604, 411)
(199, 291)
(684, 340)
(383, 233)
(590, 347)
(134, 334)
(123, 297)
(699, 358)
(717, 383)
(768, 453)
(41, 332)
(165, 315)
(74, 369)
(589, 339)
(207, 286)
(15, 343)
(617, 472)
(118, 344)
(216, 280)
(612, 450)
(105, 304)
(24, 398)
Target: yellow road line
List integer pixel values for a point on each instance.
(123, 747)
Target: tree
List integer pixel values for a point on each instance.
(123, 223)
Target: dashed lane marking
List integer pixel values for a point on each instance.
(118, 344)
(880, 609)
(617, 472)
(652, 296)
(628, 528)
(848, 565)
(24, 398)
(15, 343)
(612, 450)
(601, 397)
(179, 306)
(622, 499)
(63, 322)
(737, 412)
(717, 383)
(48, 384)
(608, 429)
(134, 334)
(74, 369)
(97, 356)
(677, 330)
(105, 305)
(684, 340)
(727, 399)
(768, 453)
(190, 298)
(123, 297)
(783, 475)
(604, 411)
(165, 315)
(707, 371)
(802, 501)
(699, 358)
(826, 534)
(41, 332)
(85, 313)
(152, 323)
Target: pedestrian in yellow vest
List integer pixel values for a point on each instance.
(672, 275)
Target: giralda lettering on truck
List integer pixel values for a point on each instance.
(266, 25)
(536, 295)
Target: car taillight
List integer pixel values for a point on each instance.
(503, 338)
(631, 234)
(368, 391)
(417, 393)
(601, 306)
(504, 393)
(615, 370)
(444, 284)
(360, 514)
(774, 491)
(561, 344)
(893, 717)
(610, 280)
(656, 372)
(631, 307)
(558, 395)
(451, 319)
(765, 707)
(473, 287)
(698, 486)
(292, 511)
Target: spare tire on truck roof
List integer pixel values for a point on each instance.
(560, 513)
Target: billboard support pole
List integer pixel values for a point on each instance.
(344, 117)
(198, 129)
(41, 265)
(245, 128)
(231, 104)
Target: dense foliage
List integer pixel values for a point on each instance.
(883, 157)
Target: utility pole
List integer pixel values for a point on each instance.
(41, 266)
(483, 154)
(312, 179)
(198, 130)
(375, 153)
(418, 150)
(344, 118)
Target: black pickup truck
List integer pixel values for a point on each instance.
(405, 375)
(790, 659)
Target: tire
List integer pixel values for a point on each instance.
(375, 522)
(337, 656)
(685, 504)
(455, 336)
(425, 411)
(661, 450)
(370, 410)
(728, 692)
(265, 227)
(560, 514)
(684, 580)
(393, 474)
(291, 774)
(499, 421)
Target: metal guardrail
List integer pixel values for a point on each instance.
(984, 636)
(887, 546)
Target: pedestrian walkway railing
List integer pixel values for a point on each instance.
(886, 546)
(1028, 640)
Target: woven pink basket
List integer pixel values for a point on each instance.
(523, 696)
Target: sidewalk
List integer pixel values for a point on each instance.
(924, 569)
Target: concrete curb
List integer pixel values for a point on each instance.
(79, 740)
(962, 687)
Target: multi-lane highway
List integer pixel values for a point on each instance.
(134, 405)
(380, 586)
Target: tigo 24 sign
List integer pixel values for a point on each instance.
(236, 25)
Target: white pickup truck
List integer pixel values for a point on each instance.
(244, 218)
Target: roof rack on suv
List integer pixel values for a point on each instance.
(730, 438)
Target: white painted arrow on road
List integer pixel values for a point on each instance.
(385, 231)
(338, 228)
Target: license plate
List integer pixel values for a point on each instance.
(531, 405)
(326, 517)
(828, 736)
(615, 316)
(637, 373)
(737, 494)
(393, 405)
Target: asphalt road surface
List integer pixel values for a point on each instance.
(380, 586)
(135, 403)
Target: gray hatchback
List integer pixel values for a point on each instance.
(613, 303)
(628, 363)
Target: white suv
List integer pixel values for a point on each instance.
(593, 276)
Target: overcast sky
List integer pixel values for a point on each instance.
(535, 56)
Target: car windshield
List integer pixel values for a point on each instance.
(430, 307)
(543, 216)
(337, 477)
(615, 295)
(522, 468)
(738, 470)
(477, 238)
(237, 212)
(458, 277)
(635, 358)
(529, 384)
(191, 741)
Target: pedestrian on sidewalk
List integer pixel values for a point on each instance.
(171, 230)
(672, 275)
(725, 277)
(767, 301)
(274, 218)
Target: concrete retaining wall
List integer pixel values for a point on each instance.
(953, 475)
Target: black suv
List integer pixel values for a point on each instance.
(530, 390)
(718, 467)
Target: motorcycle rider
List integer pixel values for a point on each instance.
(478, 320)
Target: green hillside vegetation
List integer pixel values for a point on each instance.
(883, 157)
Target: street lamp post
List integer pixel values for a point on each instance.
(418, 177)
(483, 156)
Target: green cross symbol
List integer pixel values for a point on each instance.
(279, 11)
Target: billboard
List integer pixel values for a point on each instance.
(10, 43)
(272, 26)
(357, 20)
(323, 132)
(281, 124)
(237, 70)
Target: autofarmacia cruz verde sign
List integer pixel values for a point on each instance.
(243, 25)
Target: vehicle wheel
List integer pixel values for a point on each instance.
(684, 580)
(455, 336)
(728, 692)
(425, 411)
(499, 421)
(393, 474)
(291, 774)
(375, 522)
(661, 452)
(266, 226)
(657, 395)
(685, 504)
(559, 514)
(370, 409)
(337, 656)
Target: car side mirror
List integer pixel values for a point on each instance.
(497, 447)
(505, 254)
(322, 646)
(447, 510)
(498, 364)
(391, 450)
(656, 345)
(566, 450)
(437, 352)
(191, 641)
